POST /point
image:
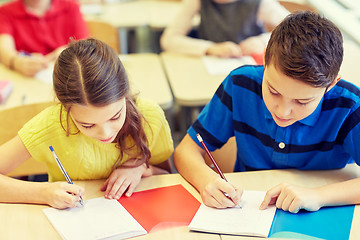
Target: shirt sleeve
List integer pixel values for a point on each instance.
(39, 131)
(5, 26)
(175, 37)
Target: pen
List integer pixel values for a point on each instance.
(66, 175)
(213, 162)
(22, 53)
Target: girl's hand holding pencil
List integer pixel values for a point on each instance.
(62, 195)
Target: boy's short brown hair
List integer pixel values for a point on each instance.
(307, 47)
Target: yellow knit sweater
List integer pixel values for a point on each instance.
(84, 157)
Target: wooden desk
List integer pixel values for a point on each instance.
(146, 76)
(26, 221)
(162, 13)
(137, 13)
(25, 90)
(126, 14)
(190, 81)
(144, 70)
(130, 16)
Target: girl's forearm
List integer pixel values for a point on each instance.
(18, 191)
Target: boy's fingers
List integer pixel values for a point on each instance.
(270, 197)
(237, 196)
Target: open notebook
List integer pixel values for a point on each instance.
(99, 218)
(143, 212)
(247, 220)
(330, 223)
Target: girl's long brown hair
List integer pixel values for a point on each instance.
(89, 72)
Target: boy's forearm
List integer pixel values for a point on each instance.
(193, 168)
(342, 193)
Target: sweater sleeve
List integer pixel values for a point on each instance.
(39, 131)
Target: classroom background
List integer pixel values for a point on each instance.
(180, 84)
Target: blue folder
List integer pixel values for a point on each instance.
(330, 223)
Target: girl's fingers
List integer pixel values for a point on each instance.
(130, 190)
(104, 186)
(119, 188)
(109, 187)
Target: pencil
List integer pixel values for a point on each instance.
(213, 162)
(66, 175)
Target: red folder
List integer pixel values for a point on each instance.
(259, 58)
(162, 207)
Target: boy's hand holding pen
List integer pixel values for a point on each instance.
(66, 175)
(235, 194)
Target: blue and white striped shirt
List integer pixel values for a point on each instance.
(327, 139)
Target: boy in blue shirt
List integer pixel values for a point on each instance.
(293, 112)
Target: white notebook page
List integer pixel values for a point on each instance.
(223, 66)
(99, 218)
(247, 220)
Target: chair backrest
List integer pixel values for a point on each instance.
(225, 157)
(11, 120)
(105, 32)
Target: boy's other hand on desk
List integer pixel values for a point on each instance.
(214, 194)
(292, 198)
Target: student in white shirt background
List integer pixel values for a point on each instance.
(228, 28)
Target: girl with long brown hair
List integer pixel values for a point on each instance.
(99, 130)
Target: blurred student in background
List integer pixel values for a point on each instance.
(34, 32)
(228, 28)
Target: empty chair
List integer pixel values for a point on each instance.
(105, 32)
